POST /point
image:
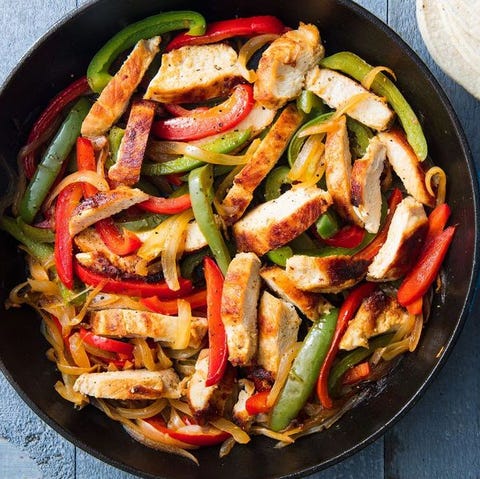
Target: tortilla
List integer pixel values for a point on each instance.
(449, 39)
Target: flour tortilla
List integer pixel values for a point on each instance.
(450, 42)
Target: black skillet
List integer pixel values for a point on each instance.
(62, 55)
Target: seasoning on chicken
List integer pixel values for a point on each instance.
(103, 205)
(278, 324)
(338, 171)
(274, 223)
(241, 417)
(336, 90)
(114, 99)
(327, 274)
(406, 165)
(208, 401)
(312, 305)
(129, 323)
(195, 73)
(378, 314)
(126, 170)
(282, 67)
(261, 162)
(404, 240)
(131, 384)
(241, 289)
(366, 187)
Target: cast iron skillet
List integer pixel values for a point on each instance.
(63, 55)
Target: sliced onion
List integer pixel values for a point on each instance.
(265, 431)
(70, 395)
(441, 179)
(306, 168)
(181, 406)
(144, 412)
(37, 270)
(246, 52)
(228, 426)
(369, 78)
(226, 447)
(77, 350)
(163, 360)
(91, 177)
(143, 355)
(49, 288)
(416, 333)
(153, 243)
(282, 373)
(74, 370)
(182, 148)
(184, 324)
(78, 318)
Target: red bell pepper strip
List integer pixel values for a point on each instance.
(371, 250)
(205, 123)
(357, 373)
(175, 179)
(346, 313)
(166, 206)
(119, 242)
(217, 339)
(107, 344)
(236, 27)
(191, 434)
(54, 108)
(196, 300)
(437, 221)
(132, 287)
(416, 307)
(423, 274)
(349, 236)
(258, 403)
(67, 201)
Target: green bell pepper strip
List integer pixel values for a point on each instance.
(200, 184)
(361, 137)
(224, 144)
(352, 359)
(309, 103)
(296, 142)
(145, 223)
(190, 262)
(275, 179)
(40, 251)
(280, 255)
(97, 72)
(40, 235)
(115, 137)
(327, 225)
(358, 68)
(304, 371)
(51, 163)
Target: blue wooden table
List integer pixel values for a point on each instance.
(439, 438)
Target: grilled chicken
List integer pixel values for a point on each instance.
(240, 415)
(114, 99)
(377, 314)
(208, 401)
(103, 205)
(194, 73)
(129, 323)
(241, 289)
(406, 165)
(405, 237)
(132, 384)
(338, 171)
(336, 90)
(366, 187)
(312, 305)
(328, 274)
(278, 324)
(282, 67)
(274, 223)
(260, 164)
(126, 170)
(92, 247)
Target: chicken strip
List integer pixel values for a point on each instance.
(131, 384)
(239, 307)
(114, 99)
(275, 223)
(336, 90)
(404, 240)
(378, 314)
(338, 171)
(406, 165)
(195, 73)
(328, 274)
(282, 67)
(260, 164)
(366, 191)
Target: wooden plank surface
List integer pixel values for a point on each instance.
(439, 438)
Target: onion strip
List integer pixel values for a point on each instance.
(246, 52)
(369, 78)
(282, 373)
(143, 412)
(306, 168)
(184, 322)
(441, 179)
(225, 425)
